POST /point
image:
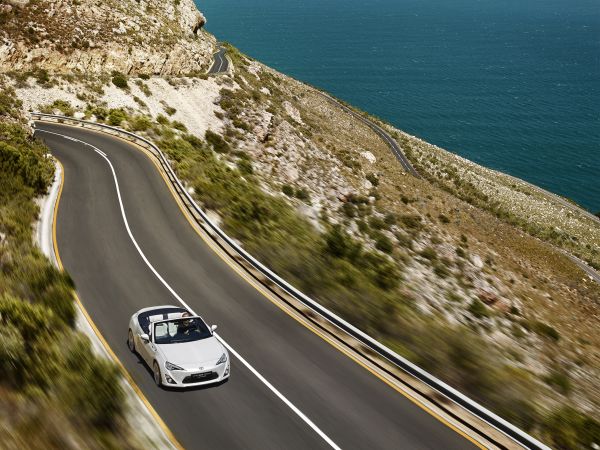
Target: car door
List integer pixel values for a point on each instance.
(148, 349)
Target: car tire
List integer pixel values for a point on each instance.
(157, 374)
(130, 341)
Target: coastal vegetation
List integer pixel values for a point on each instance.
(53, 389)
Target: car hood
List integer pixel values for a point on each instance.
(191, 355)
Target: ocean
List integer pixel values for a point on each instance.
(513, 85)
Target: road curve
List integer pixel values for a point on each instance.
(221, 63)
(346, 403)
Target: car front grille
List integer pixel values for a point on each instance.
(200, 377)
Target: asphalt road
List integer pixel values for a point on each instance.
(221, 63)
(347, 403)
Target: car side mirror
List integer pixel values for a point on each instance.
(145, 338)
(213, 327)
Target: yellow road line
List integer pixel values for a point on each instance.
(109, 350)
(261, 289)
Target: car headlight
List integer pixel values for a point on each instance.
(222, 359)
(170, 366)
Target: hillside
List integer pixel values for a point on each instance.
(461, 270)
(78, 36)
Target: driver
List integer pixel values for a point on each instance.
(185, 326)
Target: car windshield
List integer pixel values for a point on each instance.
(180, 330)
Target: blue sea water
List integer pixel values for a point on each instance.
(511, 84)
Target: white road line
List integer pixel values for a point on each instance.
(272, 388)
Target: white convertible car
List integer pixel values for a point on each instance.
(179, 347)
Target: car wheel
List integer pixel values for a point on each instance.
(157, 376)
(131, 341)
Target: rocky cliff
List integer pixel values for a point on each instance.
(162, 37)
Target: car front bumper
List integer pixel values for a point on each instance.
(195, 377)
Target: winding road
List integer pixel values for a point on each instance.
(127, 245)
(220, 64)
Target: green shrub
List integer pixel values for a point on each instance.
(559, 380)
(412, 222)
(363, 226)
(245, 167)
(339, 244)
(567, 428)
(429, 253)
(287, 190)
(373, 179)
(139, 123)
(9, 103)
(443, 218)
(170, 110)
(120, 80)
(162, 120)
(24, 157)
(544, 330)
(404, 240)
(478, 309)
(179, 126)
(349, 209)
(116, 116)
(89, 386)
(441, 269)
(383, 243)
(460, 252)
(13, 353)
(390, 219)
(42, 76)
(100, 113)
(302, 194)
(62, 105)
(377, 223)
(217, 142)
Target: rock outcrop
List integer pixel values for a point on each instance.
(162, 37)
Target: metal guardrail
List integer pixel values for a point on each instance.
(432, 382)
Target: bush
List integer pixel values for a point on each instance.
(390, 219)
(349, 210)
(162, 120)
(567, 428)
(559, 380)
(383, 243)
(339, 244)
(9, 103)
(42, 76)
(443, 218)
(89, 386)
(287, 190)
(245, 167)
(61, 105)
(544, 330)
(373, 179)
(139, 123)
(478, 309)
(179, 126)
(376, 223)
(460, 252)
(412, 222)
(218, 144)
(120, 80)
(170, 110)
(429, 253)
(302, 194)
(116, 116)
(441, 269)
